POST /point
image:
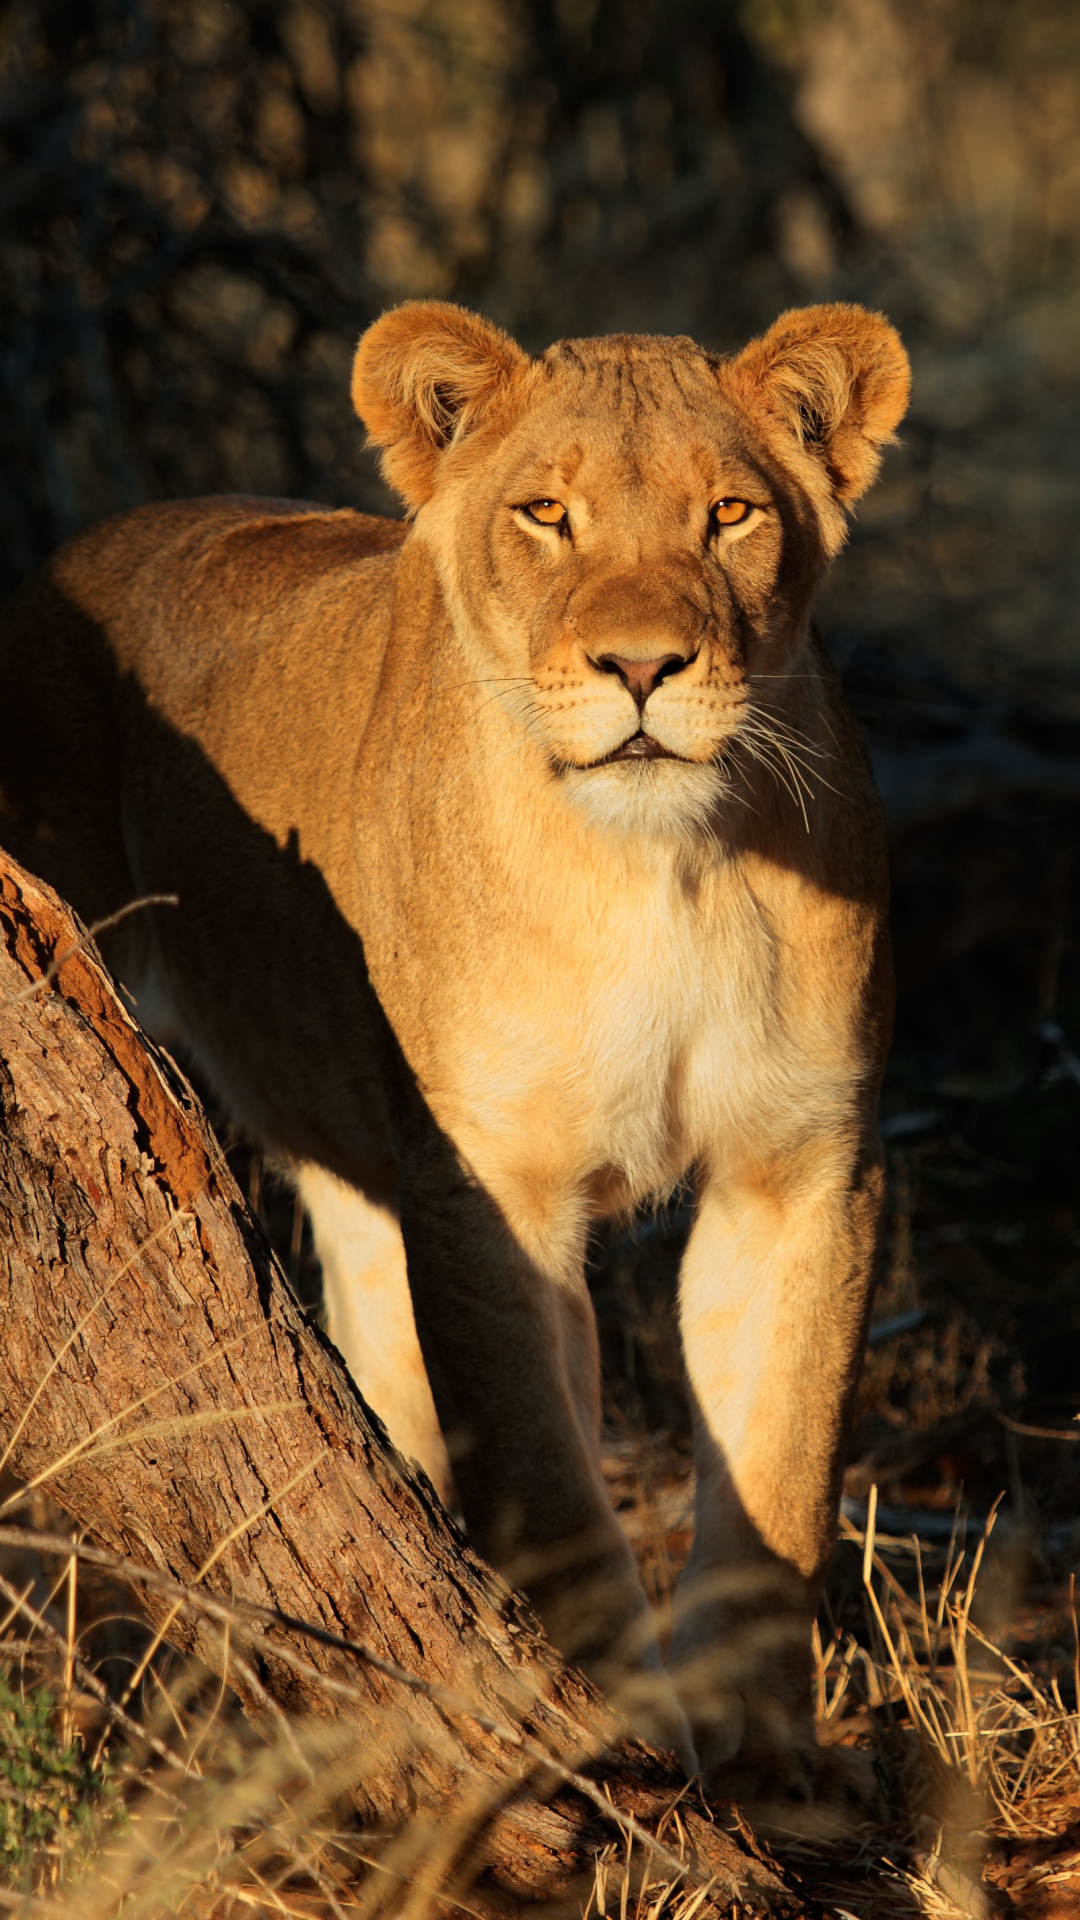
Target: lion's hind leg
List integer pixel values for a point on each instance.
(369, 1315)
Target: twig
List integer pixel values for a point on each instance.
(1038, 1433)
(84, 939)
(69, 1652)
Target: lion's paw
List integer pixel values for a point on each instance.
(801, 1790)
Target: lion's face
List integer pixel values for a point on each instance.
(630, 557)
(629, 530)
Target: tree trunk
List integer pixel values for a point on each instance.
(159, 1377)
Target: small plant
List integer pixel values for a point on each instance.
(54, 1803)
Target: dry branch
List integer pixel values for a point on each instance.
(159, 1377)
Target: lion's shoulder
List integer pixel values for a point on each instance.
(232, 534)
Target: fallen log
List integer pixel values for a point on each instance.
(161, 1380)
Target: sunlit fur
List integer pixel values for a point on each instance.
(436, 957)
(662, 799)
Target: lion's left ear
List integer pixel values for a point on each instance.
(835, 377)
(424, 376)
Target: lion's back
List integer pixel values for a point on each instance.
(179, 607)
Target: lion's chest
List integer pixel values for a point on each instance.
(620, 1049)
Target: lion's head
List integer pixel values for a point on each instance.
(629, 530)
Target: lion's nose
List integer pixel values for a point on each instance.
(641, 676)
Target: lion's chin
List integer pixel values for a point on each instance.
(662, 798)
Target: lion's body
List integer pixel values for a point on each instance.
(438, 956)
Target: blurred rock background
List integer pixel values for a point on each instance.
(202, 204)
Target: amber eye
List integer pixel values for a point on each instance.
(549, 513)
(728, 513)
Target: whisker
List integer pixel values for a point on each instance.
(782, 746)
(785, 728)
(523, 732)
(488, 680)
(767, 742)
(787, 740)
(492, 697)
(757, 752)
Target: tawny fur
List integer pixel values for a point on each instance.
(457, 971)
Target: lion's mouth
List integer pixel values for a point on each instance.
(640, 746)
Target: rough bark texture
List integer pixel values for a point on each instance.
(156, 1366)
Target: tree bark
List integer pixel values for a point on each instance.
(159, 1377)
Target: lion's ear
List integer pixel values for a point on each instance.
(424, 376)
(838, 379)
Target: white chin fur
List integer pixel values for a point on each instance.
(664, 799)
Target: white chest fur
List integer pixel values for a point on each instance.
(636, 1032)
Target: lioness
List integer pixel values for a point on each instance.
(528, 867)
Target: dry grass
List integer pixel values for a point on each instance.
(977, 1751)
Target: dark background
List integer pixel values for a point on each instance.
(201, 206)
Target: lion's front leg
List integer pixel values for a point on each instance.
(773, 1294)
(509, 1340)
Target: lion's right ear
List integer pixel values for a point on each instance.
(424, 376)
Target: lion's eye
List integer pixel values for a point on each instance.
(728, 513)
(549, 513)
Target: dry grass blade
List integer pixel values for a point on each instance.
(88, 1679)
(159, 1233)
(212, 1558)
(91, 1444)
(249, 1619)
